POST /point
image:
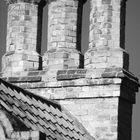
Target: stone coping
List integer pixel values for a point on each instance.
(70, 74)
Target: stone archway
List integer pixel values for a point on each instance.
(5, 126)
(2, 133)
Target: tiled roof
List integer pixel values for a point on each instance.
(41, 114)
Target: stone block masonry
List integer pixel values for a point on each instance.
(107, 35)
(106, 58)
(100, 99)
(21, 48)
(25, 135)
(99, 94)
(105, 23)
(64, 35)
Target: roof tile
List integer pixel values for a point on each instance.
(40, 114)
(6, 106)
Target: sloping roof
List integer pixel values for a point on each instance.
(41, 114)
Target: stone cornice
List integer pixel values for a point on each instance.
(26, 1)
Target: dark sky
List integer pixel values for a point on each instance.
(132, 44)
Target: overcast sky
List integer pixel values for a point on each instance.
(132, 45)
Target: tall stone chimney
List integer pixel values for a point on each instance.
(21, 47)
(107, 35)
(100, 95)
(64, 34)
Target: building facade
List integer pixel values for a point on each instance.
(65, 94)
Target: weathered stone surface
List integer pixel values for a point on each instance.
(25, 135)
(64, 34)
(21, 44)
(24, 79)
(107, 31)
(82, 88)
(83, 76)
(101, 94)
(61, 59)
(17, 1)
(71, 74)
(95, 115)
(106, 24)
(62, 24)
(106, 58)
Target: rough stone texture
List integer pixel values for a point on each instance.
(27, 1)
(99, 116)
(107, 35)
(41, 114)
(25, 135)
(64, 35)
(106, 58)
(106, 23)
(101, 100)
(101, 94)
(21, 45)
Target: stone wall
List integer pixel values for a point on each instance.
(98, 90)
(21, 47)
(64, 35)
(107, 35)
(100, 99)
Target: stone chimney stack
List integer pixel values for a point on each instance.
(64, 34)
(107, 35)
(21, 48)
(100, 95)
